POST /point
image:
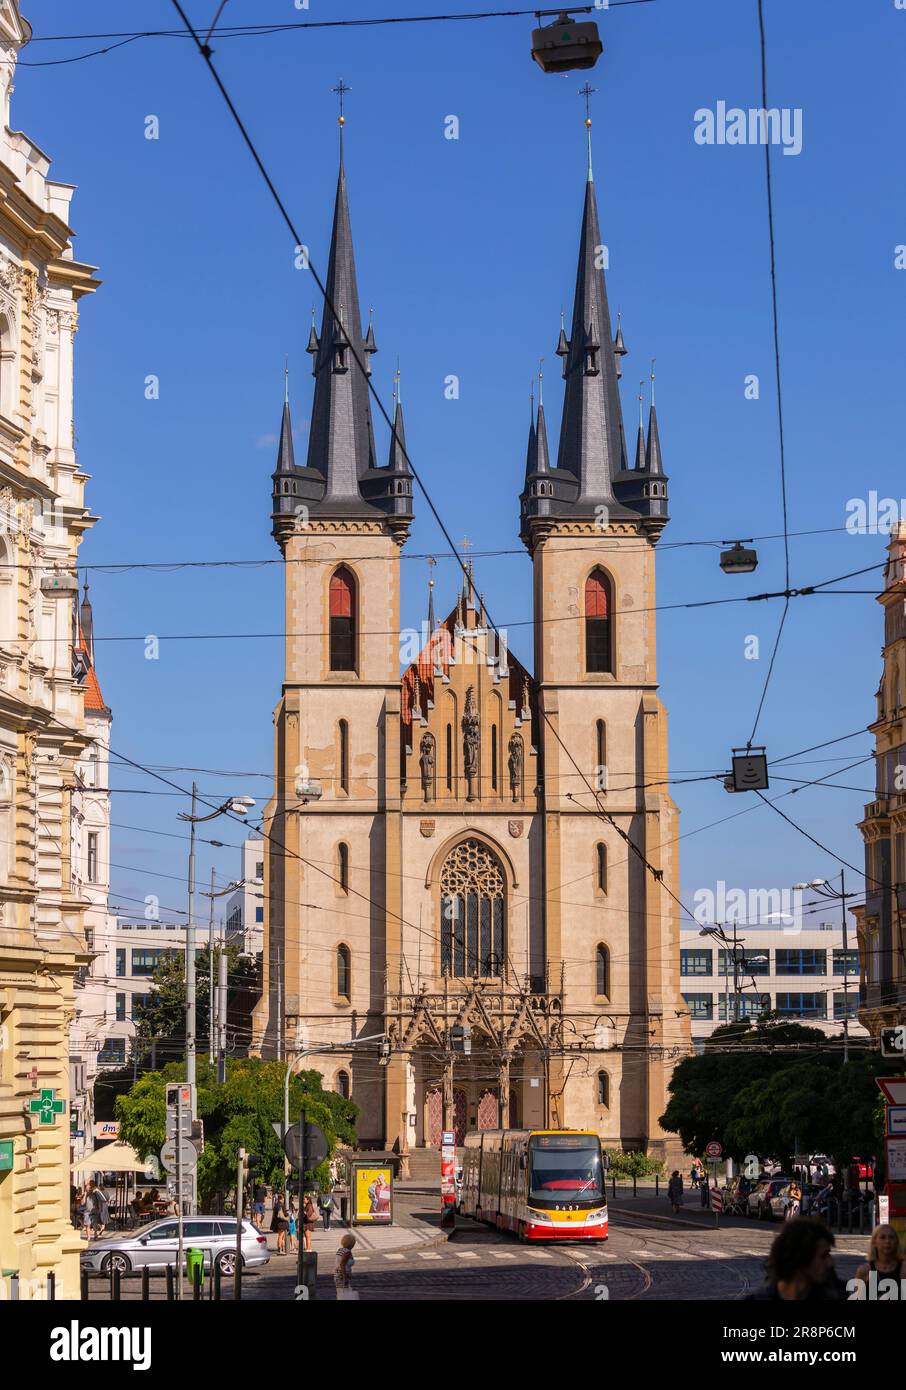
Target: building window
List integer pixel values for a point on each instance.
(344, 973)
(343, 866)
(603, 1088)
(259, 914)
(144, 960)
(342, 620)
(801, 963)
(494, 757)
(92, 856)
(600, 756)
(113, 1052)
(343, 1087)
(743, 1006)
(602, 970)
(472, 886)
(802, 1005)
(695, 962)
(848, 958)
(259, 869)
(343, 755)
(139, 1002)
(700, 1005)
(846, 1005)
(120, 960)
(121, 1008)
(598, 655)
(752, 962)
(449, 757)
(601, 868)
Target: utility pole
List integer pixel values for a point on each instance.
(222, 1018)
(211, 974)
(190, 1003)
(845, 969)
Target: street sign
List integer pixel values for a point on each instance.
(896, 1120)
(188, 1155)
(896, 1160)
(106, 1129)
(717, 1200)
(893, 1042)
(894, 1088)
(6, 1154)
(316, 1145)
(185, 1123)
(750, 770)
(449, 1137)
(714, 1149)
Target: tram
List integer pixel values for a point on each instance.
(541, 1184)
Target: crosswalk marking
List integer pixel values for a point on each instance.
(394, 1255)
(502, 1254)
(427, 1255)
(540, 1254)
(467, 1254)
(715, 1254)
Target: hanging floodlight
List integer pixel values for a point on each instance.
(564, 45)
(738, 560)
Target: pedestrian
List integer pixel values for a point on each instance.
(885, 1257)
(800, 1265)
(309, 1220)
(326, 1205)
(280, 1222)
(258, 1205)
(704, 1188)
(675, 1190)
(793, 1201)
(293, 1228)
(98, 1210)
(342, 1275)
(695, 1173)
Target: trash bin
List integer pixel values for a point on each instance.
(194, 1260)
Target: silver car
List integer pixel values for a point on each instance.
(157, 1245)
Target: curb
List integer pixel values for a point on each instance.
(671, 1220)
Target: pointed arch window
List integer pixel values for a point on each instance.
(343, 1087)
(343, 866)
(343, 755)
(494, 757)
(598, 608)
(601, 868)
(449, 757)
(343, 620)
(473, 928)
(602, 971)
(344, 973)
(603, 1089)
(600, 756)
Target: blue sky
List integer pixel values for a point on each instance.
(467, 251)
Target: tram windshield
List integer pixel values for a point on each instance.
(565, 1168)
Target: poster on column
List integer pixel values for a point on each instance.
(448, 1174)
(372, 1194)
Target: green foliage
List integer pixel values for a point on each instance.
(163, 1017)
(236, 1114)
(634, 1164)
(771, 1100)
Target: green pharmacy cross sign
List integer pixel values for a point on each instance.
(46, 1108)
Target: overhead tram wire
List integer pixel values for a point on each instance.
(777, 378)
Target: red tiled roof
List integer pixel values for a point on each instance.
(94, 700)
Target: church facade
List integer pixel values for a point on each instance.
(474, 858)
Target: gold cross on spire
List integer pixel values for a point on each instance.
(341, 89)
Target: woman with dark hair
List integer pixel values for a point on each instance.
(800, 1265)
(675, 1190)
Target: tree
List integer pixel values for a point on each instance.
(237, 1113)
(767, 1088)
(162, 1020)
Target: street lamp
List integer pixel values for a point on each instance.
(822, 888)
(239, 806)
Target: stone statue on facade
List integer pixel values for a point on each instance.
(471, 742)
(515, 765)
(426, 765)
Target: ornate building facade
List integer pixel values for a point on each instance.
(42, 736)
(480, 843)
(880, 921)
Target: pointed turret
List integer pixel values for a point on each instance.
(86, 619)
(640, 442)
(644, 487)
(619, 347)
(341, 477)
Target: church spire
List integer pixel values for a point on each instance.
(653, 460)
(86, 622)
(640, 442)
(591, 432)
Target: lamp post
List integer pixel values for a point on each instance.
(720, 935)
(822, 888)
(240, 806)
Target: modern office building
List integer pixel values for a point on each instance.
(245, 908)
(803, 975)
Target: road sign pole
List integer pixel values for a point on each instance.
(240, 1208)
(179, 1186)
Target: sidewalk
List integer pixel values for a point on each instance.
(416, 1222)
(647, 1207)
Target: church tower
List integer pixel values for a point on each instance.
(591, 524)
(340, 521)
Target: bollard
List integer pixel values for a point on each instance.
(171, 1291)
(614, 1182)
(146, 1285)
(237, 1283)
(216, 1285)
(51, 1287)
(14, 1288)
(196, 1282)
(114, 1285)
(634, 1191)
(657, 1188)
(83, 1285)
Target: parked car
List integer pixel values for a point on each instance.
(768, 1198)
(156, 1245)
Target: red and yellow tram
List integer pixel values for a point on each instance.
(542, 1184)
